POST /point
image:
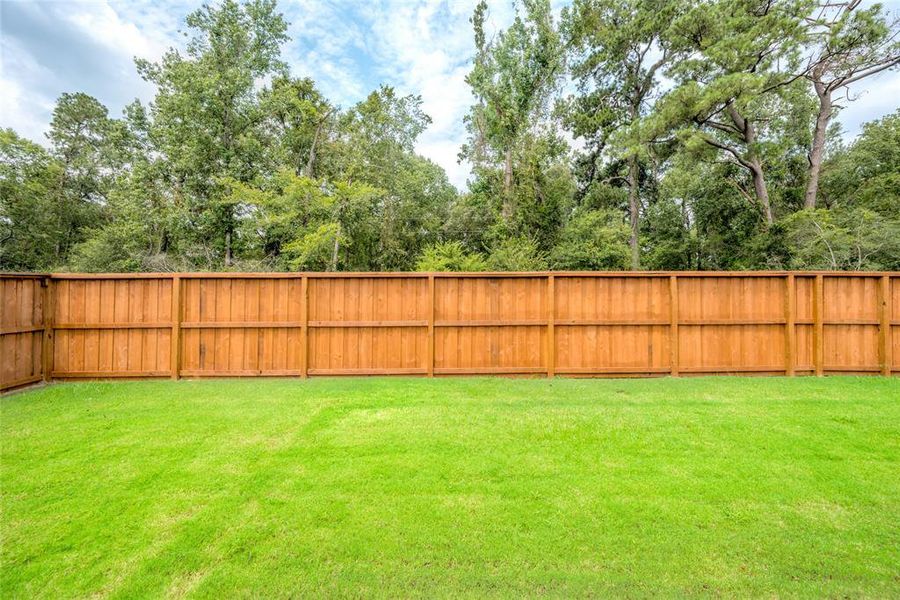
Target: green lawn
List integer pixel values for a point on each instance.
(453, 487)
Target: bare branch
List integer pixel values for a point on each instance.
(717, 144)
(893, 61)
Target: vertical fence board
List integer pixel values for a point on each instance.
(894, 331)
(304, 332)
(47, 319)
(790, 331)
(673, 326)
(431, 301)
(818, 327)
(176, 315)
(551, 324)
(885, 341)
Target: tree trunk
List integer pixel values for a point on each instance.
(634, 211)
(507, 171)
(762, 192)
(310, 163)
(228, 260)
(507, 208)
(337, 247)
(506, 211)
(817, 151)
(753, 163)
(60, 206)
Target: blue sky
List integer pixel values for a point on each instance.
(349, 48)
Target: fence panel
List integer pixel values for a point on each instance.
(22, 299)
(241, 326)
(112, 327)
(851, 324)
(732, 324)
(612, 325)
(368, 325)
(299, 324)
(490, 325)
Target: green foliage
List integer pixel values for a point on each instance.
(313, 250)
(112, 250)
(472, 218)
(512, 77)
(737, 97)
(595, 240)
(449, 256)
(671, 245)
(867, 174)
(618, 51)
(541, 196)
(223, 172)
(852, 239)
(80, 136)
(517, 254)
(720, 225)
(300, 223)
(51, 199)
(846, 44)
(861, 185)
(206, 116)
(512, 144)
(28, 210)
(300, 123)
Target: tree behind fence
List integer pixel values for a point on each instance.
(614, 324)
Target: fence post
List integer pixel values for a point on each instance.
(673, 325)
(790, 331)
(551, 323)
(818, 326)
(304, 327)
(47, 309)
(884, 330)
(176, 326)
(430, 365)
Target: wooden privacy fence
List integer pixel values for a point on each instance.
(299, 324)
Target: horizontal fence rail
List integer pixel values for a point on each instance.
(66, 326)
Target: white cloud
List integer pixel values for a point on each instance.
(49, 48)
(426, 49)
(325, 42)
(20, 107)
(100, 22)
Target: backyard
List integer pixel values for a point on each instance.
(452, 487)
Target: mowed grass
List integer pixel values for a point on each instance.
(453, 487)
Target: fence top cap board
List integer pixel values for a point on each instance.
(419, 274)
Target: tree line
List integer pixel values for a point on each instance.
(625, 134)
